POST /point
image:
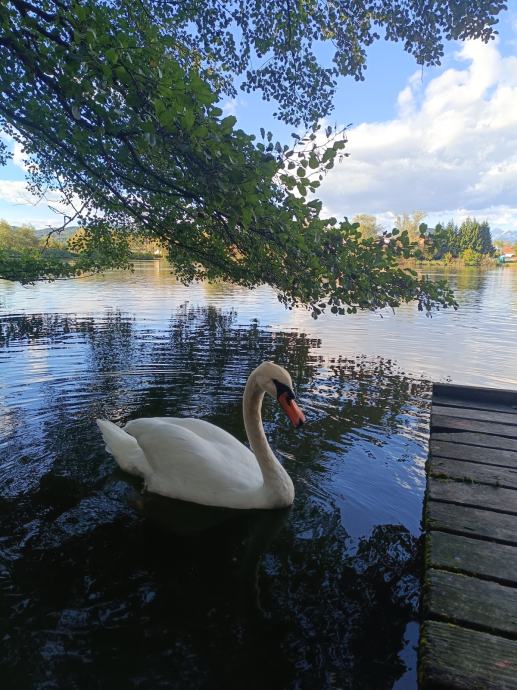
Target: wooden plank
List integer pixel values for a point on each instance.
(471, 602)
(460, 659)
(487, 456)
(475, 495)
(470, 590)
(474, 404)
(495, 395)
(471, 522)
(479, 415)
(483, 440)
(473, 472)
(474, 557)
(443, 422)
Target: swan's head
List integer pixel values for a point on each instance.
(276, 381)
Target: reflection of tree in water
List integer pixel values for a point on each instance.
(350, 609)
(112, 344)
(471, 285)
(36, 326)
(132, 600)
(97, 577)
(471, 280)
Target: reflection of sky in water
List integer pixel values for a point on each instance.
(473, 345)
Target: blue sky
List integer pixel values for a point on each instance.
(442, 139)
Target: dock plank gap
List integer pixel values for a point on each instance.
(468, 637)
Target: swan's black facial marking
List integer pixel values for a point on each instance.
(282, 388)
(285, 397)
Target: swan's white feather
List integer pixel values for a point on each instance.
(124, 448)
(202, 428)
(188, 459)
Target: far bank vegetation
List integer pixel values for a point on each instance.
(467, 244)
(64, 243)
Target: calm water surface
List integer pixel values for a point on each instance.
(105, 587)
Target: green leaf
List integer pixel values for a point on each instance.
(188, 119)
(228, 122)
(112, 55)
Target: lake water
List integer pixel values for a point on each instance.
(103, 586)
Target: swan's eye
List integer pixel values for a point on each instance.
(281, 388)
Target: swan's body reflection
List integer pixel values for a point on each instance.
(206, 540)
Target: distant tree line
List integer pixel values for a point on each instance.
(471, 240)
(25, 237)
(27, 254)
(17, 239)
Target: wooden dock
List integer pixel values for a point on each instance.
(469, 630)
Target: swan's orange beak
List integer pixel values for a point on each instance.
(289, 406)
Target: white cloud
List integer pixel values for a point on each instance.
(19, 156)
(17, 150)
(15, 192)
(453, 146)
(229, 107)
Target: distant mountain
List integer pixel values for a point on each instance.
(508, 236)
(41, 233)
(66, 234)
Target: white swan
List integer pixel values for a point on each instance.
(196, 461)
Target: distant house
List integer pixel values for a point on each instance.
(506, 253)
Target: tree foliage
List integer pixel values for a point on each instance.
(17, 239)
(471, 257)
(26, 258)
(411, 223)
(117, 107)
(472, 236)
(368, 225)
(445, 241)
(273, 44)
(476, 236)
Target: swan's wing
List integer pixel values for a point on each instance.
(187, 466)
(124, 448)
(210, 432)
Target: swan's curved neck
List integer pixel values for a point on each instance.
(276, 479)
